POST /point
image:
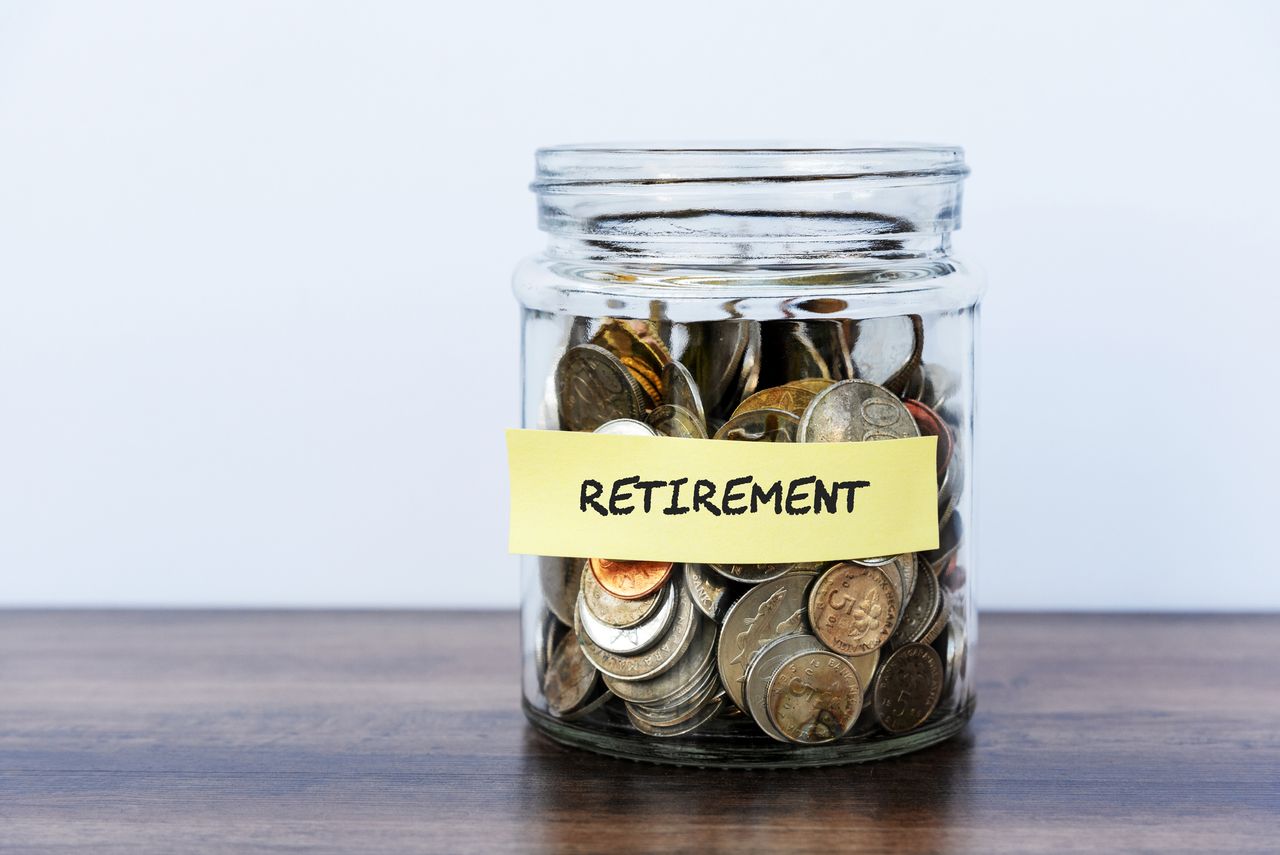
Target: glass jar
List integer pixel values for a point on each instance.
(774, 295)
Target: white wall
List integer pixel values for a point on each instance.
(257, 344)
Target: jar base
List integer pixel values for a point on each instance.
(720, 747)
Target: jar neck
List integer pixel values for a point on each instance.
(754, 252)
(769, 206)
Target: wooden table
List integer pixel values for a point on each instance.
(401, 731)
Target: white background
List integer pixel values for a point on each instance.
(257, 343)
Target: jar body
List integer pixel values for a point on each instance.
(827, 323)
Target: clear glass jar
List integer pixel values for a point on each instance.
(821, 270)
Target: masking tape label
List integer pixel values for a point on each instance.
(665, 499)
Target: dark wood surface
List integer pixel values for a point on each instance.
(399, 731)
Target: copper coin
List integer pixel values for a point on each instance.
(931, 424)
(630, 580)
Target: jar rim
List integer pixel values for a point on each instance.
(566, 168)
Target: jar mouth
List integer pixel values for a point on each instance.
(589, 167)
(748, 203)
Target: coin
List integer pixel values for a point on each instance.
(856, 411)
(625, 427)
(811, 384)
(711, 594)
(570, 677)
(919, 613)
(789, 399)
(593, 387)
(769, 610)
(703, 716)
(630, 580)
(674, 420)
(930, 424)
(760, 426)
(814, 698)
(560, 579)
(853, 608)
(754, 574)
(939, 619)
(593, 703)
(616, 611)
(907, 687)
(637, 346)
(714, 358)
(954, 659)
(762, 668)
(901, 570)
(682, 391)
(886, 350)
(795, 350)
(632, 640)
(692, 667)
(654, 661)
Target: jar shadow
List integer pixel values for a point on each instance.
(575, 800)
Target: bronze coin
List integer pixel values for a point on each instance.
(789, 399)
(630, 580)
(814, 698)
(908, 687)
(570, 677)
(853, 608)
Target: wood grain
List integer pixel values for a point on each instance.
(399, 732)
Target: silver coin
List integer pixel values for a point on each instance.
(886, 350)
(560, 580)
(954, 660)
(920, 611)
(691, 668)
(856, 411)
(677, 713)
(939, 619)
(763, 425)
(629, 641)
(754, 574)
(625, 427)
(711, 594)
(762, 667)
(615, 611)
(682, 391)
(658, 659)
(708, 712)
(594, 387)
(800, 350)
(768, 611)
(938, 386)
(714, 358)
(674, 420)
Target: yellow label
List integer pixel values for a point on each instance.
(666, 499)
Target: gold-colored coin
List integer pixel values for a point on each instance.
(789, 399)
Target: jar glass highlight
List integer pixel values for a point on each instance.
(751, 294)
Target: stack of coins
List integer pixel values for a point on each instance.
(801, 652)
